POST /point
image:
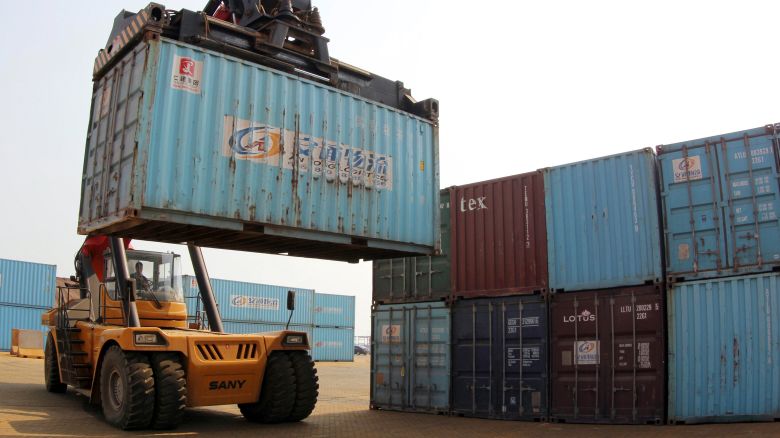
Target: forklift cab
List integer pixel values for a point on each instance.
(155, 276)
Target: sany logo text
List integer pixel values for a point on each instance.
(473, 204)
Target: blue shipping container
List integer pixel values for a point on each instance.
(27, 284)
(251, 327)
(410, 357)
(603, 226)
(253, 302)
(724, 349)
(721, 209)
(23, 318)
(244, 157)
(334, 310)
(333, 344)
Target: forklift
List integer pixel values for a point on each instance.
(125, 344)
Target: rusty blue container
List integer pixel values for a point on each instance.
(27, 283)
(721, 204)
(189, 144)
(724, 349)
(603, 223)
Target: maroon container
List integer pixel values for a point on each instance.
(608, 356)
(499, 237)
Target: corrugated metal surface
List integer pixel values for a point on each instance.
(253, 159)
(251, 327)
(253, 302)
(607, 356)
(721, 209)
(334, 310)
(724, 349)
(603, 222)
(25, 318)
(424, 278)
(27, 283)
(499, 358)
(410, 357)
(333, 344)
(499, 236)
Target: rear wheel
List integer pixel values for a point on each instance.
(127, 389)
(51, 368)
(277, 397)
(306, 385)
(170, 390)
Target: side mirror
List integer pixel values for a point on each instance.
(290, 300)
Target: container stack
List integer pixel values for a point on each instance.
(26, 291)
(606, 278)
(410, 323)
(329, 320)
(721, 206)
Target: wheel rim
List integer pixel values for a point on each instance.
(116, 390)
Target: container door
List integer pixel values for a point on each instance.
(694, 217)
(521, 385)
(749, 176)
(635, 387)
(432, 273)
(429, 377)
(576, 361)
(391, 280)
(472, 363)
(389, 354)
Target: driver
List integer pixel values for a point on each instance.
(141, 282)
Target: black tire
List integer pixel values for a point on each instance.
(126, 389)
(306, 385)
(51, 368)
(277, 396)
(170, 391)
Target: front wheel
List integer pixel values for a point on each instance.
(277, 396)
(127, 389)
(170, 390)
(51, 368)
(306, 385)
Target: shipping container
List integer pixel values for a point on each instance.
(254, 159)
(424, 278)
(253, 302)
(607, 356)
(410, 357)
(724, 349)
(499, 237)
(254, 327)
(333, 344)
(499, 358)
(26, 283)
(721, 209)
(23, 318)
(334, 310)
(603, 225)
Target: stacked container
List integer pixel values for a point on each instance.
(722, 234)
(606, 275)
(26, 291)
(328, 319)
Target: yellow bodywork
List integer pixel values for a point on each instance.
(220, 368)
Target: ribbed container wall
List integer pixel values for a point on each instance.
(254, 159)
(423, 278)
(251, 327)
(252, 302)
(724, 349)
(499, 237)
(14, 317)
(410, 357)
(27, 284)
(334, 310)
(500, 358)
(603, 226)
(722, 204)
(333, 344)
(607, 356)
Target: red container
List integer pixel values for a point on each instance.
(608, 356)
(499, 237)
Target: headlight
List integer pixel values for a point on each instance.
(148, 339)
(295, 340)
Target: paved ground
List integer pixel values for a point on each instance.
(26, 409)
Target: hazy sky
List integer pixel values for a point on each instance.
(522, 85)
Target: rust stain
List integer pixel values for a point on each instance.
(735, 353)
(252, 212)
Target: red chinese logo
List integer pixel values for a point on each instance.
(187, 67)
